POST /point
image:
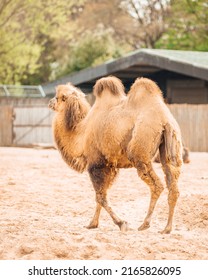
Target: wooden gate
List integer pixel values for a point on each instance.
(32, 125)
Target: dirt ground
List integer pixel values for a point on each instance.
(44, 206)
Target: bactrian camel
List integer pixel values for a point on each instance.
(119, 131)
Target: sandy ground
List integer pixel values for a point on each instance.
(44, 207)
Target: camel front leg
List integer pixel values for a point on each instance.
(95, 220)
(102, 198)
(102, 177)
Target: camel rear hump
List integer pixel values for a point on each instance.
(143, 88)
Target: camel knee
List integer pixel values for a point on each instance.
(142, 166)
(173, 195)
(172, 173)
(157, 190)
(142, 169)
(148, 175)
(101, 199)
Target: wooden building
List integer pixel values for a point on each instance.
(182, 75)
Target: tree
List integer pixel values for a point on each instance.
(188, 26)
(148, 21)
(29, 31)
(17, 53)
(134, 23)
(92, 50)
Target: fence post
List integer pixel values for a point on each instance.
(6, 125)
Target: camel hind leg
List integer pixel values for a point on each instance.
(148, 175)
(171, 165)
(141, 148)
(102, 178)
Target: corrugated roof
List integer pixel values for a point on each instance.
(138, 63)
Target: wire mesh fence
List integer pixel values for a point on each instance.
(21, 91)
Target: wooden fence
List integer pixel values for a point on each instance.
(193, 121)
(6, 130)
(25, 126)
(28, 125)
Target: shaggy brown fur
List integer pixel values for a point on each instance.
(120, 132)
(71, 108)
(111, 84)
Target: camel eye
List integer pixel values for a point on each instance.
(63, 98)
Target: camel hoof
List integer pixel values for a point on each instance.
(91, 226)
(165, 231)
(123, 226)
(144, 226)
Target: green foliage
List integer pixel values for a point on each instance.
(188, 26)
(18, 53)
(91, 51)
(29, 32)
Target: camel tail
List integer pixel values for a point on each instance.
(171, 148)
(111, 84)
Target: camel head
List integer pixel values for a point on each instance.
(64, 95)
(70, 102)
